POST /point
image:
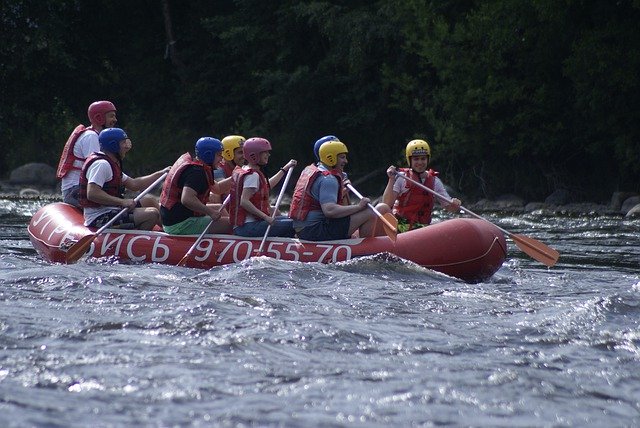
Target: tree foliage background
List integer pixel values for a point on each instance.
(519, 97)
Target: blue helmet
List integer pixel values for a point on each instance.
(206, 149)
(321, 141)
(110, 138)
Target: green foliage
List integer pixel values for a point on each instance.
(514, 97)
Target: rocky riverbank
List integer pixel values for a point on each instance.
(37, 181)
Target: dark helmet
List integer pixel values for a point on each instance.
(110, 138)
(206, 149)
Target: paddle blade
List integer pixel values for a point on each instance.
(536, 249)
(390, 226)
(78, 249)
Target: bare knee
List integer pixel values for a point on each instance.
(146, 218)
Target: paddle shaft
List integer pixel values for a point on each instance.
(535, 249)
(195, 244)
(384, 220)
(275, 208)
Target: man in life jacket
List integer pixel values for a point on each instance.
(412, 205)
(232, 157)
(249, 209)
(184, 203)
(345, 179)
(80, 144)
(102, 185)
(316, 209)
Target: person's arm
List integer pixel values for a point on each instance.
(328, 195)
(99, 196)
(246, 203)
(275, 178)
(98, 174)
(189, 198)
(223, 186)
(389, 197)
(141, 183)
(454, 205)
(333, 210)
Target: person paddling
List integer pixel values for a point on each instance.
(250, 210)
(184, 202)
(102, 183)
(413, 205)
(318, 206)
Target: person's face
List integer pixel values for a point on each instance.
(238, 156)
(110, 119)
(263, 158)
(217, 158)
(342, 162)
(419, 163)
(125, 146)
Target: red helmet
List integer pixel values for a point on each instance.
(253, 147)
(98, 110)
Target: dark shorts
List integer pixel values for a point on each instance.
(330, 229)
(125, 221)
(71, 195)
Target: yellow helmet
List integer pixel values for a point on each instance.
(329, 152)
(417, 148)
(229, 144)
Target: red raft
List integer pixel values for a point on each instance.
(468, 249)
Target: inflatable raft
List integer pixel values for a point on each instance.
(469, 249)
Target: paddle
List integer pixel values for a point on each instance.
(275, 209)
(78, 249)
(195, 244)
(536, 249)
(388, 220)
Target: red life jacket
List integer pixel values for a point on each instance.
(303, 202)
(113, 187)
(237, 214)
(67, 158)
(416, 204)
(172, 193)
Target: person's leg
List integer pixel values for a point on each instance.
(378, 228)
(145, 218)
(222, 225)
(150, 202)
(365, 221)
(358, 219)
(283, 227)
(251, 229)
(330, 229)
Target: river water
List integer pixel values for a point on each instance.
(371, 342)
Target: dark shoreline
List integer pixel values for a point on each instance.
(511, 206)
